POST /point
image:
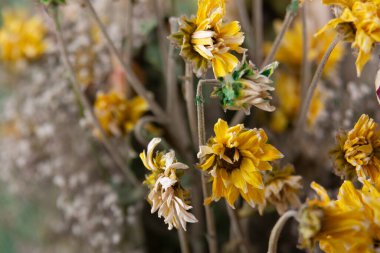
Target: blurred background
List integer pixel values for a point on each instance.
(59, 191)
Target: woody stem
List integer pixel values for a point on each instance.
(112, 151)
(238, 231)
(182, 237)
(313, 85)
(210, 223)
(276, 231)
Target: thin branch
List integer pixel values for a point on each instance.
(130, 75)
(257, 12)
(139, 128)
(289, 16)
(245, 23)
(112, 151)
(182, 237)
(171, 88)
(306, 64)
(276, 231)
(237, 118)
(190, 99)
(211, 237)
(238, 231)
(310, 92)
(161, 34)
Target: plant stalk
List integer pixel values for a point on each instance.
(112, 151)
(312, 87)
(130, 75)
(238, 231)
(276, 231)
(210, 222)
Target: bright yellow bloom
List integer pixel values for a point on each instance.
(282, 189)
(360, 148)
(206, 39)
(235, 158)
(21, 38)
(359, 22)
(166, 196)
(116, 114)
(349, 224)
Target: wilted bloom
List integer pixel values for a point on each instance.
(206, 39)
(357, 22)
(235, 158)
(21, 38)
(282, 189)
(360, 148)
(246, 86)
(166, 193)
(116, 114)
(348, 224)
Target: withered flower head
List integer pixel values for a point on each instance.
(167, 196)
(282, 189)
(246, 86)
(116, 114)
(235, 158)
(207, 40)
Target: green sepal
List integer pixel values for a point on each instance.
(53, 2)
(269, 69)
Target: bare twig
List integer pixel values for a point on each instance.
(161, 34)
(182, 237)
(291, 13)
(257, 13)
(238, 118)
(190, 101)
(139, 128)
(245, 23)
(130, 75)
(211, 237)
(311, 89)
(112, 151)
(306, 64)
(238, 231)
(276, 231)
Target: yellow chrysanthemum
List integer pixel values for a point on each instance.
(349, 224)
(360, 148)
(21, 38)
(359, 22)
(235, 158)
(116, 114)
(167, 196)
(206, 39)
(282, 189)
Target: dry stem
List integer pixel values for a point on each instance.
(130, 75)
(276, 231)
(257, 12)
(112, 151)
(182, 237)
(306, 64)
(211, 237)
(190, 99)
(238, 231)
(289, 16)
(311, 89)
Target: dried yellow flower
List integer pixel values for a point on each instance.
(358, 22)
(116, 114)
(206, 39)
(21, 38)
(282, 189)
(235, 158)
(166, 196)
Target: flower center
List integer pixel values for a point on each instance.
(231, 159)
